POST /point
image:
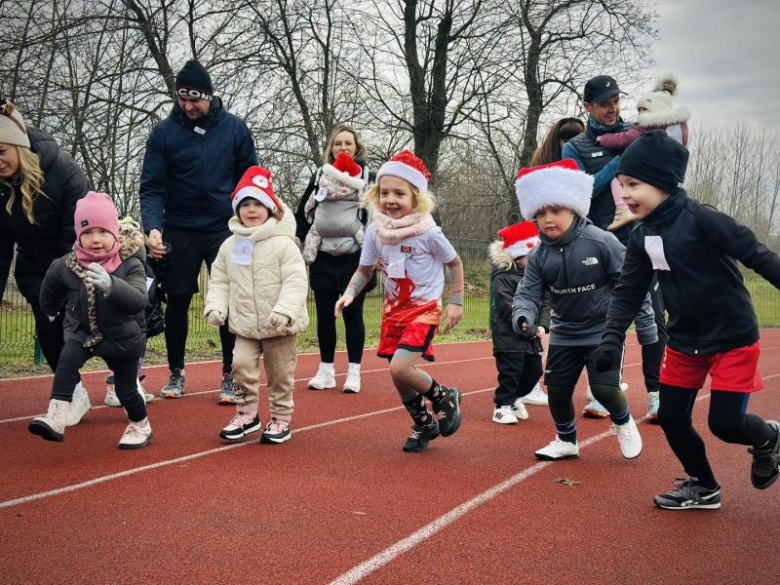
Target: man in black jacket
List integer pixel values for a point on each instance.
(194, 159)
(693, 248)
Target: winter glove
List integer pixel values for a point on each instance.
(524, 330)
(98, 276)
(277, 320)
(608, 355)
(216, 318)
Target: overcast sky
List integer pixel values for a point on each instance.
(725, 55)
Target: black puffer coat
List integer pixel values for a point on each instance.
(52, 234)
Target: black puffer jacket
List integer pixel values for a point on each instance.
(506, 277)
(120, 315)
(52, 234)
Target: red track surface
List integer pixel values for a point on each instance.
(342, 492)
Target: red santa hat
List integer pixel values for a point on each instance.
(407, 166)
(519, 239)
(256, 183)
(560, 183)
(345, 170)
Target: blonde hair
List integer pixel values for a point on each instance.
(424, 202)
(32, 182)
(361, 152)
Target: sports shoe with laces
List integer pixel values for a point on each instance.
(111, 398)
(277, 431)
(536, 397)
(244, 423)
(79, 406)
(629, 438)
(447, 409)
(227, 394)
(504, 415)
(653, 403)
(521, 412)
(52, 426)
(147, 396)
(558, 449)
(689, 494)
(594, 408)
(175, 386)
(324, 378)
(137, 435)
(421, 435)
(352, 383)
(766, 461)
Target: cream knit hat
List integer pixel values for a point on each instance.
(12, 126)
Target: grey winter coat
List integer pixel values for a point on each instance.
(579, 270)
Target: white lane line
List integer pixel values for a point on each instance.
(169, 462)
(191, 394)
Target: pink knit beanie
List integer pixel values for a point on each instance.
(96, 210)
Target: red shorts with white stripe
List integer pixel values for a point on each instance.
(735, 370)
(411, 327)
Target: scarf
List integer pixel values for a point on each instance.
(598, 127)
(109, 260)
(392, 231)
(75, 264)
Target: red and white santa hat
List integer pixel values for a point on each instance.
(256, 183)
(345, 170)
(407, 166)
(560, 183)
(519, 238)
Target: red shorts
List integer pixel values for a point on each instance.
(417, 337)
(735, 370)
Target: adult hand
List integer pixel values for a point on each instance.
(607, 356)
(452, 316)
(344, 301)
(98, 276)
(277, 320)
(156, 247)
(216, 318)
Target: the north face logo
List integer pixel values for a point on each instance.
(590, 261)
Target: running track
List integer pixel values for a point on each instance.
(341, 503)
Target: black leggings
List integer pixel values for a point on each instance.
(176, 327)
(49, 333)
(74, 355)
(727, 421)
(326, 326)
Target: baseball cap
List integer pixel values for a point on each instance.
(600, 89)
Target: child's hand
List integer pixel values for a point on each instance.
(216, 318)
(598, 139)
(277, 320)
(344, 301)
(98, 276)
(452, 316)
(540, 332)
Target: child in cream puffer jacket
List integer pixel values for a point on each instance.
(258, 285)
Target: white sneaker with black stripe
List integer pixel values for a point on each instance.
(504, 415)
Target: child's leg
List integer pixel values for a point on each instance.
(246, 372)
(532, 373)
(412, 383)
(564, 366)
(729, 422)
(280, 357)
(66, 376)
(606, 389)
(510, 371)
(126, 385)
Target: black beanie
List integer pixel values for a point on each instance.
(193, 81)
(656, 159)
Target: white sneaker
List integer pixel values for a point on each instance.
(144, 394)
(324, 379)
(352, 384)
(624, 386)
(537, 397)
(504, 415)
(111, 398)
(137, 435)
(52, 426)
(558, 449)
(78, 408)
(629, 439)
(521, 412)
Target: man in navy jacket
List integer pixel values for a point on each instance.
(194, 158)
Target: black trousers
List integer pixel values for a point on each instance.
(353, 324)
(653, 354)
(74, 355)
(518, 373)
(176, 329)
(49, 333)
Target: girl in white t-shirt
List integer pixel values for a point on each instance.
(412, 252)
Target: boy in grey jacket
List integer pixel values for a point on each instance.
(578, 264)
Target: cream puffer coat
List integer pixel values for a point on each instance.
(274, 282)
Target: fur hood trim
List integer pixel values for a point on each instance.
(131, 242)
(498, 257)
(664, 118)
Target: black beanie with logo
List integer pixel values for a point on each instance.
(656, 159)
(194, 81)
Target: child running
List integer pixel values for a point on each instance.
(693, 248)
(412, 252)
(258, 286)
(518, 358)
(101, 286)
(578, 264)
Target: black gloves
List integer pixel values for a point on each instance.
(608, 355)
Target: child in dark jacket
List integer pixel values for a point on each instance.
(518, 358)
(693, 248)
(578, 264)
(101, 285)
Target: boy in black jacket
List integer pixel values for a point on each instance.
(712, 327)
(518, 358)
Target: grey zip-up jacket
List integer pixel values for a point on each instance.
(579, 270)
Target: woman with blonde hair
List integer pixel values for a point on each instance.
(39, 187)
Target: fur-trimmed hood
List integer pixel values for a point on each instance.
(131, 242)
(498, 257)
(664, 118)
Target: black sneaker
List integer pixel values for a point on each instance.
(421, 436)
(175, 386)
(689, 495)
(240, 426)
(448, 411)
(766, 461)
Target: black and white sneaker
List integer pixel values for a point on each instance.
(689, 494)
(276, 431)
(243, 424)
(766, 461)
(448, 411)
(421, 435)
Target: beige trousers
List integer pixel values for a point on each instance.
(279, 355)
